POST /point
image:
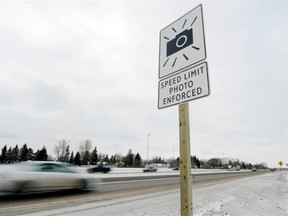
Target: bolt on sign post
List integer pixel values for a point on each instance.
(183, 77)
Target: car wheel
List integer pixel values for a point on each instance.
(83, 185)
(25, 187)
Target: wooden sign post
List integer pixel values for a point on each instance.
(185, 161)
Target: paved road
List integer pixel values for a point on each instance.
(136, 182)
(111, 188)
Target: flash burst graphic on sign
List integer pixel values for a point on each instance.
(182, 43)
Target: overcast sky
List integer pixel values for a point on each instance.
(79, 70)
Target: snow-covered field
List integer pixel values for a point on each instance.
(263, 195)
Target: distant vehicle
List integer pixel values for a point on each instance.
(237, 168)
(99, 168)
(176, 168)
(150, 169)
(272, 169)
(42, 176)
(254, 170)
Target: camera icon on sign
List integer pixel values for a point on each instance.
(182, 40)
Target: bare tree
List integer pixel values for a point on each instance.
(85, 147)
(60, 150)
(67, 154)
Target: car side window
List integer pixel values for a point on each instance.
(59, 168)
(53, 168)
(46, 168)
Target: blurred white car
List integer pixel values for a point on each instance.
(150, 169)
(40, 176)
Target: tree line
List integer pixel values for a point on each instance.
(220, 163)
(12, 155)
(88, 155)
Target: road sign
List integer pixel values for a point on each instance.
(182, 46)
(280, 163)
(188, 85)
(182, 43)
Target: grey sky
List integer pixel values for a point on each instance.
(89, 70)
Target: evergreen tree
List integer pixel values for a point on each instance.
(37, 156)
(94, 156)
(178, 161)
(117, 159)
(157, 160)
(106, 159)
(15, 154)
(113, 159)
(31, 155)
(77, 159)
(44, 154)
(71, 161)
(243, 165)
(214, 162)
(129, 159)
(195, 161)
(137, 160)
(23, 153)
(86, 158)
(9, 156)
(41, 155)
(3, 157)
(249, 166)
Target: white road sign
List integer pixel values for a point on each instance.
(188, 85)
(182, 43)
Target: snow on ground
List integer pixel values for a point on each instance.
(260, 195)
(263, 195)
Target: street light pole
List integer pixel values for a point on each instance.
(148, 147)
